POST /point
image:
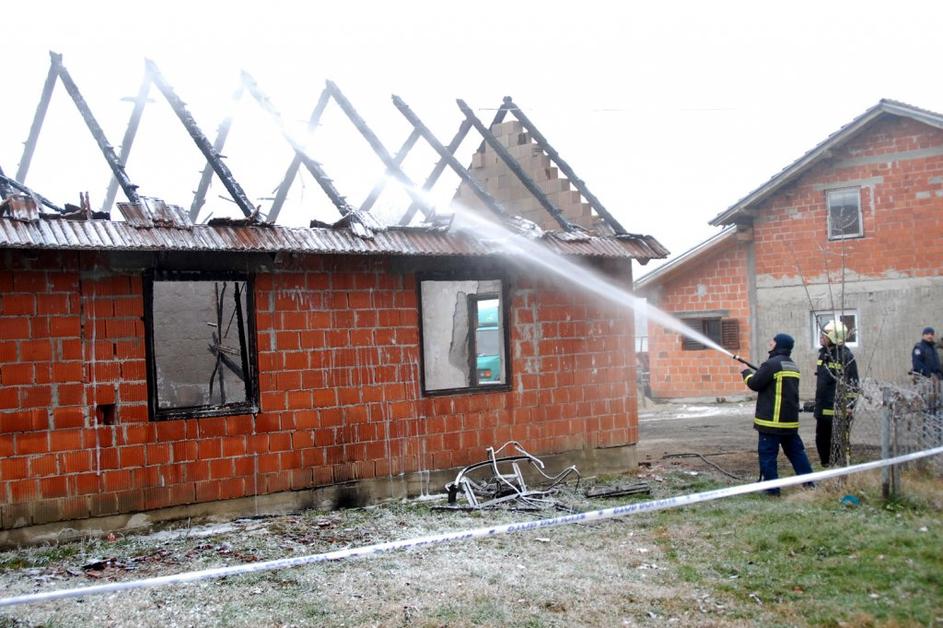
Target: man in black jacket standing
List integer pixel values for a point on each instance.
(927, 376)
(836, 385)
(924, 357)
(777, 410)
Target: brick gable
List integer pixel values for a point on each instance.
(901, 202)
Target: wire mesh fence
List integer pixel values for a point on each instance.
(891, 419)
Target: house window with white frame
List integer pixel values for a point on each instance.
(849, 319)
(844, 214)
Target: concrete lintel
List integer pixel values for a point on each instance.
(702, 314)
(904, 155)
(852, 284)
(851, 183)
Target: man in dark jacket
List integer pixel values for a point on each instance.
(927, 376)
(777, 410)
(924, 357)
(836, 375)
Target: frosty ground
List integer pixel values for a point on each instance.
(626, 571)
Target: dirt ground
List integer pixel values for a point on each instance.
(722, 432)
(558, 577)
(702, 427)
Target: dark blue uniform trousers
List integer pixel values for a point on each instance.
(768, 450)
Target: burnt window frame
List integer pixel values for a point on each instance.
(250, 360)
(503, 295)
(828, 213)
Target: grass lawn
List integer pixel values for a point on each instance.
(801, 559)
(807, 558)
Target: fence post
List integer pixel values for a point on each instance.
(889, 480)
(895, 450)
(885, 444)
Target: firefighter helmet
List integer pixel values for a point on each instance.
(836, 332)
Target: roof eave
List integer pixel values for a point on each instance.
(45, 233)
(666, 270)
(821, 151)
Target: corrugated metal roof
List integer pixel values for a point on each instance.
(153, 211)
(53, 233)
(20, 207)
(649, 243)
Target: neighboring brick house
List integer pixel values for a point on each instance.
(706, 287)
(153, 364)
(854, 228)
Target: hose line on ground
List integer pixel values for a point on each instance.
(693, 454)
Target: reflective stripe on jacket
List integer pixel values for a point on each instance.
(834, 363)
(777, 401)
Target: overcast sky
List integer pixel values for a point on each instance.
(669, 111)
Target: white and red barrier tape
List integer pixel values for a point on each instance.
(462, 535)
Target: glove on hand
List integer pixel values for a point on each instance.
(745, 372)
(808, 406)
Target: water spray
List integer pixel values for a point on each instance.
(744, 361)
(520, 242)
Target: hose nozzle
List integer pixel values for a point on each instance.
(743, 361)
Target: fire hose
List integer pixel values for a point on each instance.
(744, 361)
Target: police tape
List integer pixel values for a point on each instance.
(462, 535)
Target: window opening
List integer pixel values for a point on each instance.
(848, 318)
(464, 335)
(844, 214)
(200, 358)
(487, 339)
(723, 331)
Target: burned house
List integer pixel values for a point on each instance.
(151, 362)
(851, 230)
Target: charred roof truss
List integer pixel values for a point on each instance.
(57, 71)
(150, 212)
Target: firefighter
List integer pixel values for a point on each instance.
(777, 410)
(835, 372)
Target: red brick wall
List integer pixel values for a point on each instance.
(675, 373)
(902, 215)
(338, 356)
(902, 222)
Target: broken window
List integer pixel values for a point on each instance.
(723, 331)
(464, 335)
(201, 355)
(844, 214)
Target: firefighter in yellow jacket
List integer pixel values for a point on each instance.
(836, 385)
(777, 410)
